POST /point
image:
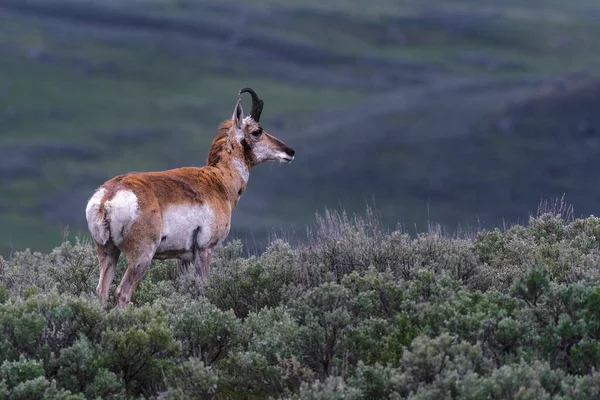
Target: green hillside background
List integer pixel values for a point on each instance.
(463, 112)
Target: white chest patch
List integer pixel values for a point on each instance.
(182, 224)
(242, 169)
(121, 211)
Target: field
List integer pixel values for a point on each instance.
(448, 119)
(464, 112)
(355, 312)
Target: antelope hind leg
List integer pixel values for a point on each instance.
(108, 256)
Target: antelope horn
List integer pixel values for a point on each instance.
(257, 104)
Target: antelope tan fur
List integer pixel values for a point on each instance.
(180, 213)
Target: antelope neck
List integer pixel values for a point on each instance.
(239, 172)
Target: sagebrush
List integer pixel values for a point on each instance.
(355, 313)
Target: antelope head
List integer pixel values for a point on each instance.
(258, 145)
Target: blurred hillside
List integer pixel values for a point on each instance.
(462, 112)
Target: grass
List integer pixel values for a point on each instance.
(22, 229)
(146, 92)
(140, 98)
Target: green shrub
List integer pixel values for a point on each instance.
(441, 361)
(30, 390)
(45, 324)
(531, 286)
(54, 393)
(78, 370)
(357, 312)
(378, 340)
(516, 381)
(73, 268)
(272, 332)
(21, 332)
(204, 331)
(332, 388)
(248, 375)
(14, 373)
(379, 382)
(148, 292)
(76, 365)
(377, 294)
(323, 321)
(246, 285)
(192, 381)
(4, 295)
(106, 385)
(139, 346)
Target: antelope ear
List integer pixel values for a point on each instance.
(238, 115)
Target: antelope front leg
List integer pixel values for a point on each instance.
(202, 262)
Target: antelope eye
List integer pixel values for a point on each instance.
(257, 132)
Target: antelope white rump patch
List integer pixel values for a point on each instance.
(96, 222)
(122, 211)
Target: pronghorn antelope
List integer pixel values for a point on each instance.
(181, 213)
